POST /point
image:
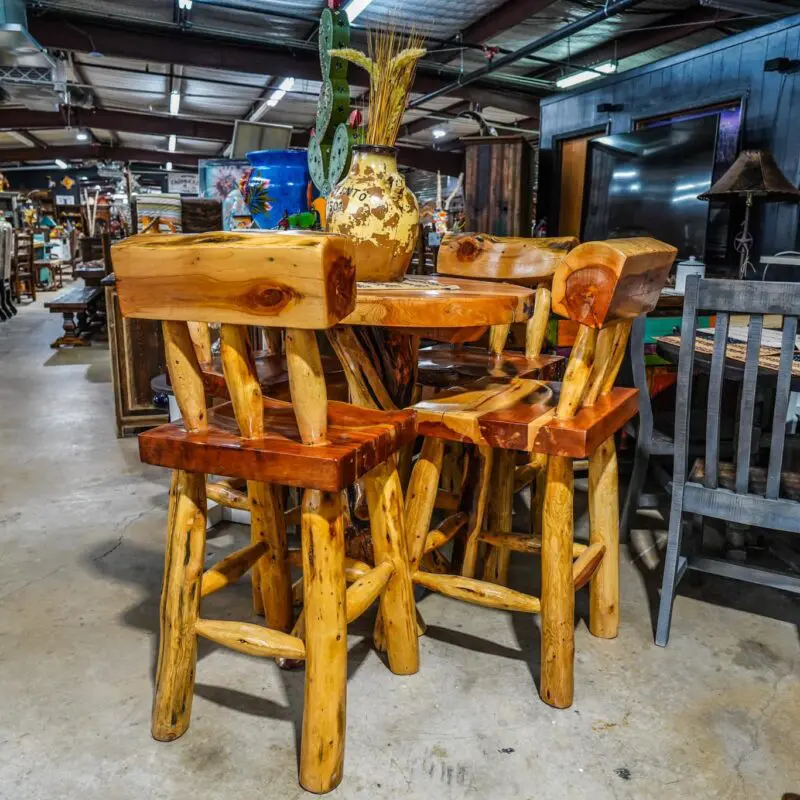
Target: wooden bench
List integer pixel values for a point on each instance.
(80, 300)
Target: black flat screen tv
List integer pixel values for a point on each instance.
(646, 183)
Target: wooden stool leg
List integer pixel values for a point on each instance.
(500, 511)
(180, 605)
(385, 499)
(604, 523)
(478, 513)
(558, 594)
(274, 581)
(536, 329)
(322, 746)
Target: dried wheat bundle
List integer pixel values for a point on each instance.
(391, 64)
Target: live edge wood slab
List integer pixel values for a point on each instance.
(440, 302)
(275, 279)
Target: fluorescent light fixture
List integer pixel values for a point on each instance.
(684, 187)
(84, 178)
(81, 136)
(185, 5)
(682, 197)
(438, 133)
(635, 187)
(174, 102)
(355, 7)
(625, 173)
(589, 75)
(276, 95)
(22, 138)
(169, 166)
(172, 142)
(61, 164)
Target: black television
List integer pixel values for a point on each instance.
(646, 183)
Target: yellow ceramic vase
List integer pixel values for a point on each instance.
(375, 208)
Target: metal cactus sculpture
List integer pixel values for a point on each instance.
(331, 142)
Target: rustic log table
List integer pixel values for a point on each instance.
(378, 343)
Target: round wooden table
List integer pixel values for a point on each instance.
(378, 343)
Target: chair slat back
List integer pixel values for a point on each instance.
(715, 401)
(782, 391)
(726, 297)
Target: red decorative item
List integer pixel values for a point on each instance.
(334, 5)
(356, 119)
(490, 52)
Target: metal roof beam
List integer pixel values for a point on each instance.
(164, 45)
(99, 152)
(681, 24)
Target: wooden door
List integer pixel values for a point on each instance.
(573, 176)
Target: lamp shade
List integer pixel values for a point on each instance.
(753, 173)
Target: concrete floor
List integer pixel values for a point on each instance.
(715, 715)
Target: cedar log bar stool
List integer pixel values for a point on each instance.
(271, 370)
(603, 286)
(300, 282)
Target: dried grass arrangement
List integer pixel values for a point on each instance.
(391, 64)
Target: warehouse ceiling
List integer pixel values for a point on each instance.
(121, 62)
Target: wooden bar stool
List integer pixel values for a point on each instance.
(523, 261)
(601, 285)
(299, 282)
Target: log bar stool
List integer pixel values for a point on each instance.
(300, 282)
(525, 262)
(602, 286)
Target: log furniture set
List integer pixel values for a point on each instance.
(304, 283)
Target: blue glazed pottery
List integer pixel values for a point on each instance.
(277, 186)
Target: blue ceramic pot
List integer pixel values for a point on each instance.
(277, 185)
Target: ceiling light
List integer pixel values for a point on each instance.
(355, 7)
(22, 138)
(84, 178)
(61, 164)
(185, 5)
(274, 98)
(589, 75)
(174, 102)
(439, 132)
(172, 142)
(81, 136)
(169, 166)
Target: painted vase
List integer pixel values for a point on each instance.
(375, 208)
(277, 186)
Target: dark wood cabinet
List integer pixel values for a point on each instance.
(137, 356)
(498, 183)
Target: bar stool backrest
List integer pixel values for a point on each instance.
(298, 281)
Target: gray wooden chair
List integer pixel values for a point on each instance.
(735, 492)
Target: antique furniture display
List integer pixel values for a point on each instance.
(302, 283)
(22, 272)
(740, 491)
(80, 301)
(603, 286)
(498, 184)
(7, 307)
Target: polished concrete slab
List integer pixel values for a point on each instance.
(715, 715)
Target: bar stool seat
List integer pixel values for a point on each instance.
(358, 440)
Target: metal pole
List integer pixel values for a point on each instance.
(612, 8)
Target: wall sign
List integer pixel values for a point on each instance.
(183, 183)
